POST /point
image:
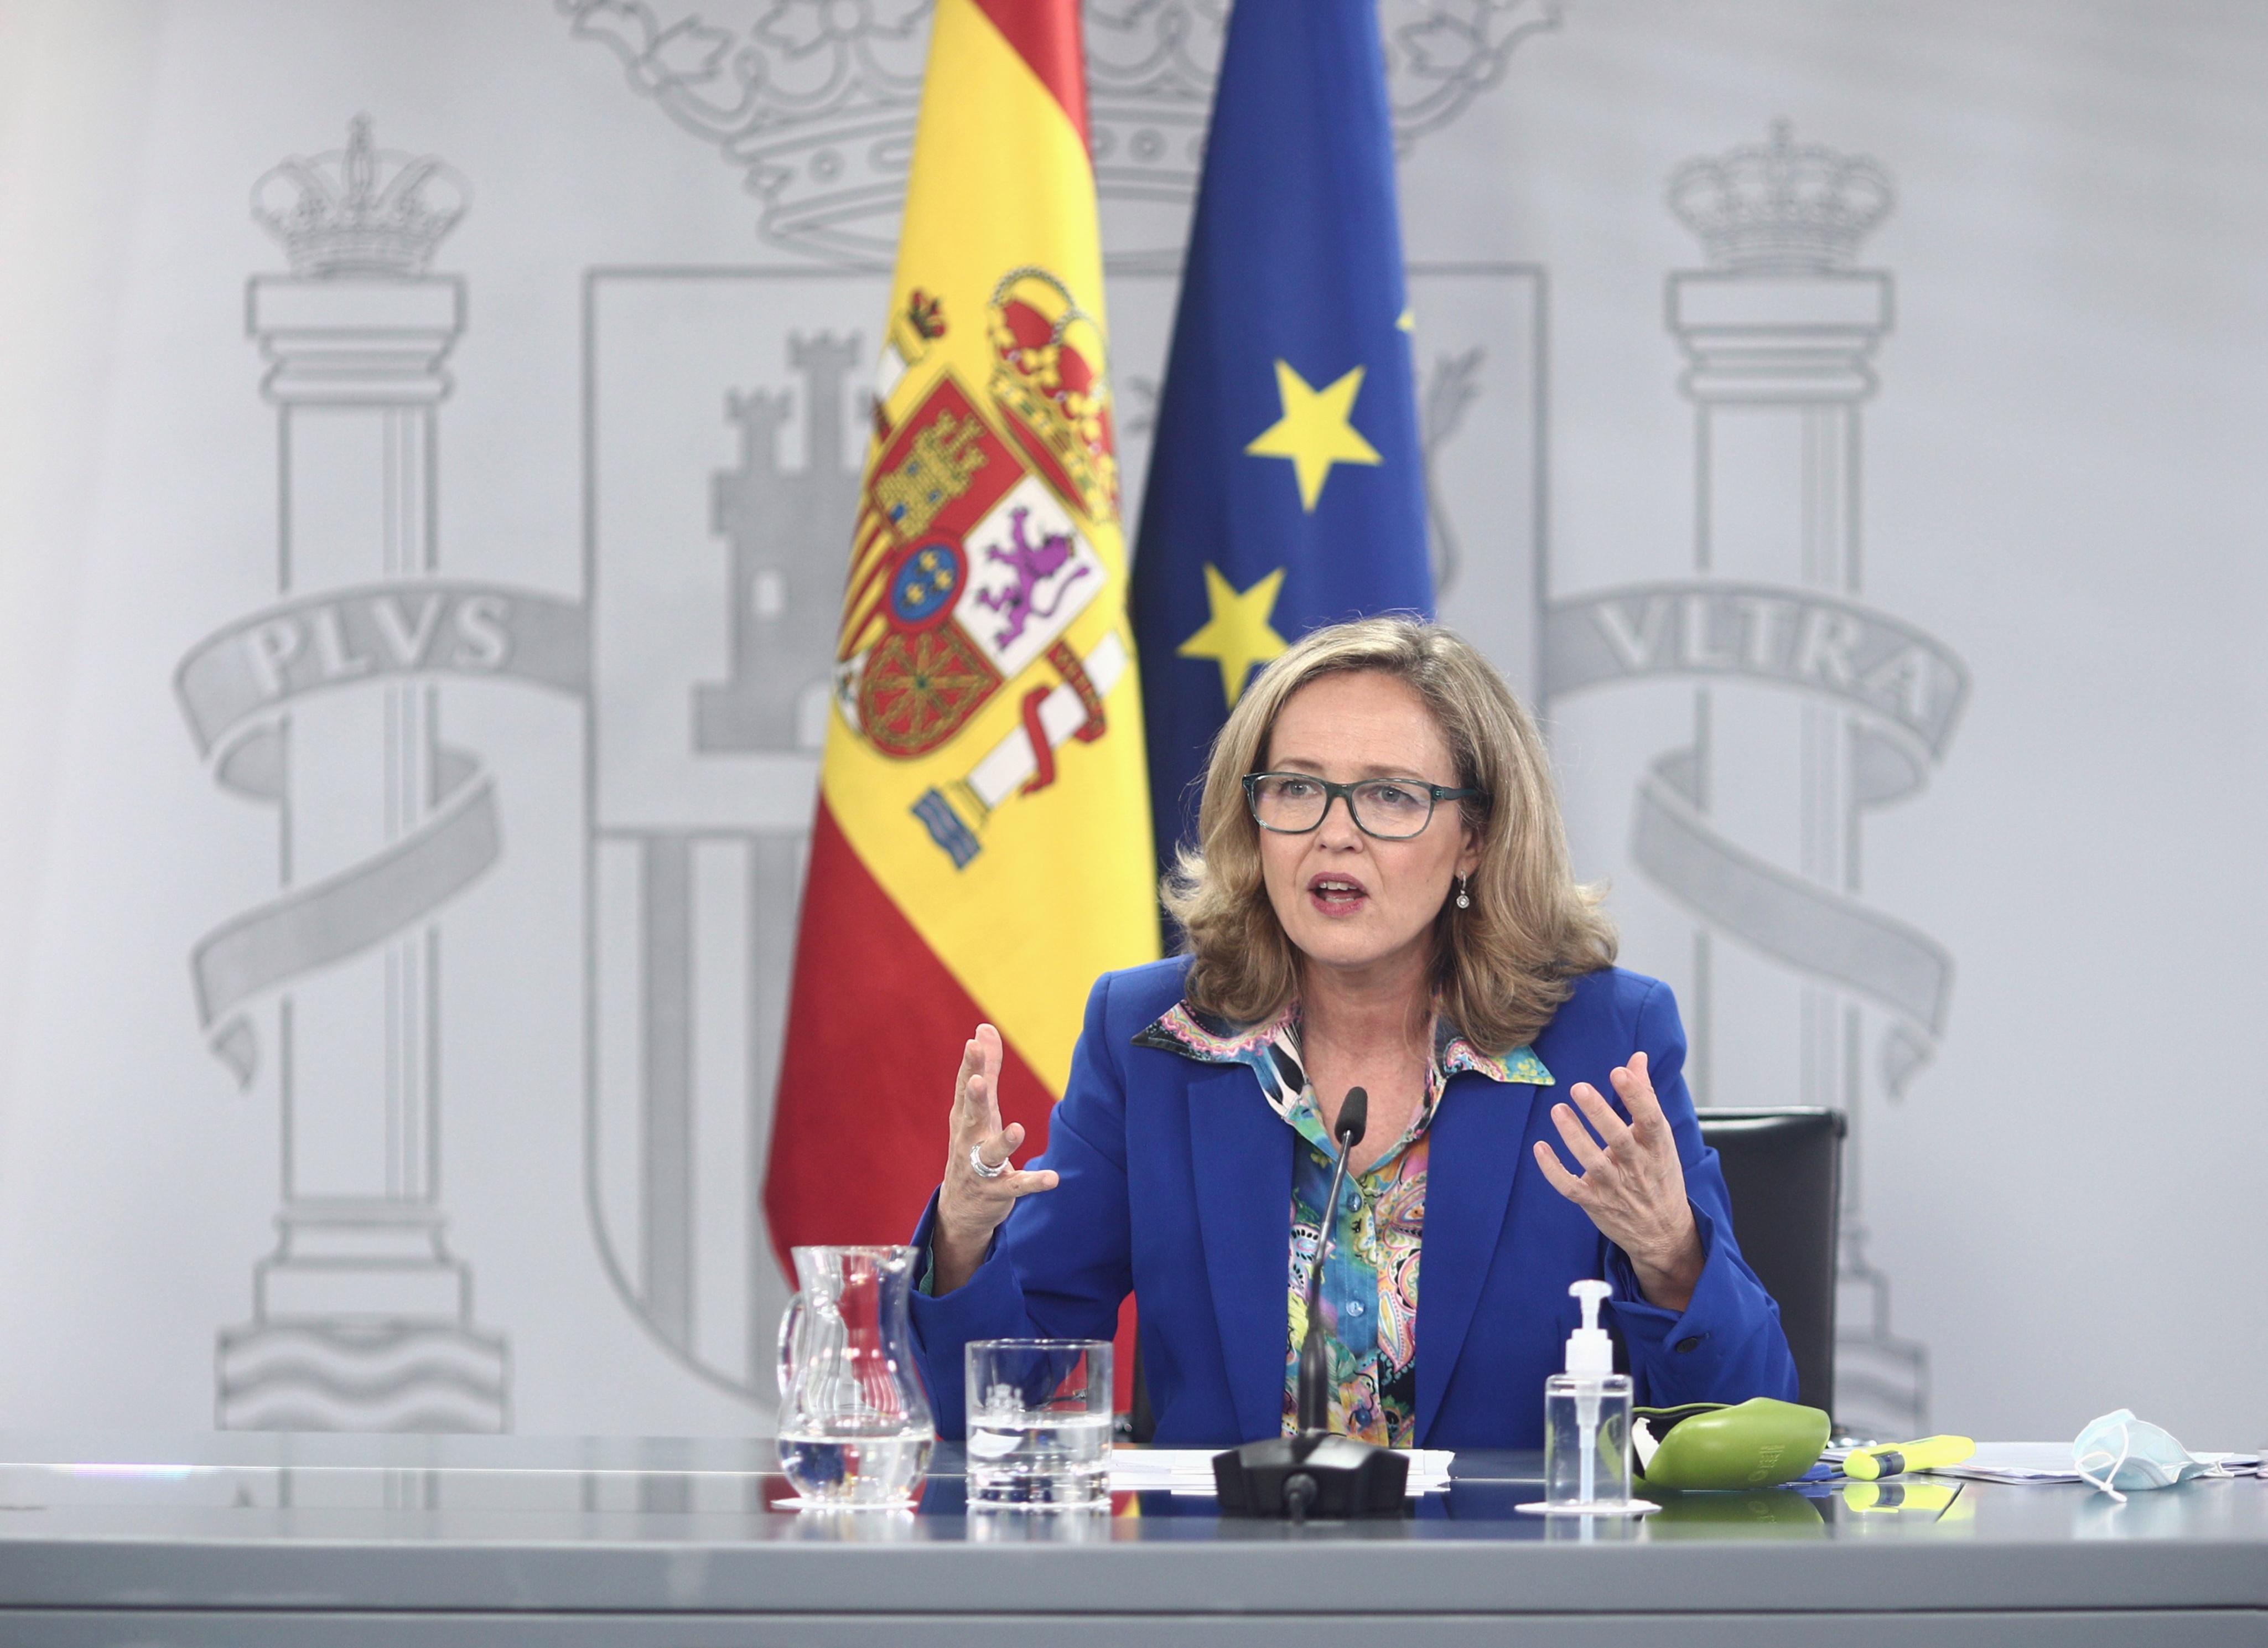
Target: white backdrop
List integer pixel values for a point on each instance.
(1968, 791)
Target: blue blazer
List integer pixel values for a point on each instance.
(1176, 1185)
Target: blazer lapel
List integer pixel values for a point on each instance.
(1242, 1152)
(1474, 1155)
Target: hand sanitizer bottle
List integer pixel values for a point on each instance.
(1587, 1419)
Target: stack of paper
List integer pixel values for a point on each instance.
(1190, 1470)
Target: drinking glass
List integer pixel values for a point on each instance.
(1039, 1421)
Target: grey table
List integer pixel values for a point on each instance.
(253, 1540)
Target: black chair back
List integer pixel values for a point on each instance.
(1784, 1169)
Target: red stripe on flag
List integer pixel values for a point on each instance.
(875, 1028)
(1045, 34)
(1122, 1342)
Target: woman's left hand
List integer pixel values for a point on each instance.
(1629, 1181)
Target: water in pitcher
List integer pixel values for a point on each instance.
(854, 1422)
(874, 1470)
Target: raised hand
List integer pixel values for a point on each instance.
(970, 1206)
(1628, 1179)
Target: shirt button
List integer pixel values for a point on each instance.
(1690, 1343)
(1355, 1309)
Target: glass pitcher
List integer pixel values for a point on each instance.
(854, 1425)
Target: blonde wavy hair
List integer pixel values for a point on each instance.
(1501, 967)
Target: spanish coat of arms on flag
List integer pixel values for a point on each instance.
(982, 849)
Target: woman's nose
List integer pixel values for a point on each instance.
(1339, 828)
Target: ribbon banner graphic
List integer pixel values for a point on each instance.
(1906, 691)
(235, 687)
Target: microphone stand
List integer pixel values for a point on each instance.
(1314, 1472)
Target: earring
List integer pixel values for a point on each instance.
(1464, 899)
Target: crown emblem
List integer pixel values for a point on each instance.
(1778, 208)
(1050, 377)
(360, 210)
(816, 100)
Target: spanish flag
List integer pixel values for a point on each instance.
(983, 845)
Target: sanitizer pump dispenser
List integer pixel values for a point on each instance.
(1587, 1423)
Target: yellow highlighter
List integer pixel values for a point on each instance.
(1866, 1464)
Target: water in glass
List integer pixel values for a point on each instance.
(1039, 1422)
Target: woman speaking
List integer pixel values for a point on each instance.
(1381, 899)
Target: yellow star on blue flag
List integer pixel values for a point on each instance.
(1236, 634)
(1314, 433)
(1286, 488)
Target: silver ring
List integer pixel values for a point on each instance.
(976, 1164)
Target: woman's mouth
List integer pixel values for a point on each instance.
(1337, 895)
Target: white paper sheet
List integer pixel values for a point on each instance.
(1190, 1470)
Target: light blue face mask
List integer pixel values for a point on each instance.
(2120, 1452)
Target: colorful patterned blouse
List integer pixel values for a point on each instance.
(1369, 1297)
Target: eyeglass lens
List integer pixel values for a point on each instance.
(1383, 806)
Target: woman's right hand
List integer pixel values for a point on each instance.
(970, 1206)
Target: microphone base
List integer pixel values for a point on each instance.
(1313, 1474)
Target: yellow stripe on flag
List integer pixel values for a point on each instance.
(984, 623)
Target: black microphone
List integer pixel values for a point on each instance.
(1314, 1472)
(1315, 1364)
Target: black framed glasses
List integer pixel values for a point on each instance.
(1391, 809)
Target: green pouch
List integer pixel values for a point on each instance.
(1759, 1443)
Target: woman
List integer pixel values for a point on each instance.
(1382, 899)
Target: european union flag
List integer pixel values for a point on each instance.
(1285, 488)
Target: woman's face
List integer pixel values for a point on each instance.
(1347, 899)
